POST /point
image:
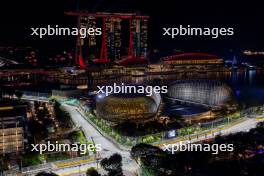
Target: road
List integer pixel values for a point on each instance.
(129, 165)
(108, 148)
(244, 126)
(240, 127)
(90, 132)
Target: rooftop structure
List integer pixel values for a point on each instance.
(192, 59)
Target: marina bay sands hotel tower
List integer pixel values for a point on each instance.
(124, 35)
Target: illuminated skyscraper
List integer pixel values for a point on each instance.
(108, 47)
(117, 39)
(87, 46)
(113, 38)
(92, 24)
(144, 37)
(140, 33)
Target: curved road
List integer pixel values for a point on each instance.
(108, 148)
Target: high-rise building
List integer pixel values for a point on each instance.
(108, 47)
(110, 36)
(87, 46)
(140, 33)
(144, 37)
(12, 129)
(117, 39)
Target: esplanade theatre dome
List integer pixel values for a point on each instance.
(118, 108)
(203, 92)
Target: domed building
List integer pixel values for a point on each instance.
(119, 108)
(201, 92)
(198, 100)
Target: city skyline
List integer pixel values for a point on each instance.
(246, 20)
(122, 88)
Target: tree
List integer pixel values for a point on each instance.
(92, 172)
(9, 92)
(113, 165)
(46, 174)
(62, 115)
(29, 159)
(260, 125)
(142, 149)
(18, 94)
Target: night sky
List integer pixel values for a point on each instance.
(247, 19)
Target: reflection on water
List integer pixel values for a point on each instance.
(247, 77)
(248, 86)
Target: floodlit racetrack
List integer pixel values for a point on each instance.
(130, 167)
(108, 148)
